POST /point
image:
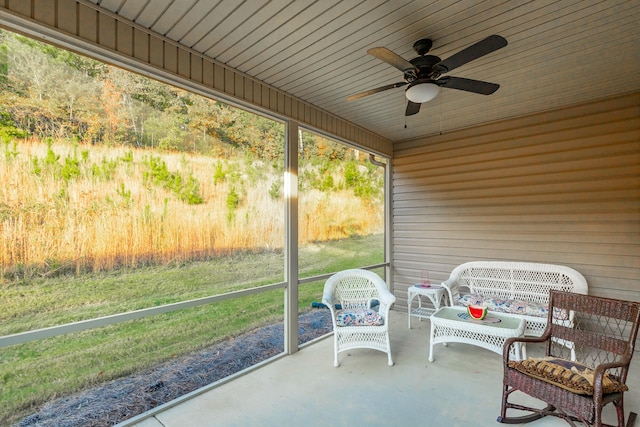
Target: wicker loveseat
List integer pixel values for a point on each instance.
(513, 287)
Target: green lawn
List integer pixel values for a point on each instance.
(35, 372)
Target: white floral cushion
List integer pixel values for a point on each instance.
(359, 317)
(503, 305)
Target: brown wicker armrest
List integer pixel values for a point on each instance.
(602, 369)
(523, 340)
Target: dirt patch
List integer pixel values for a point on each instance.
(119, 400)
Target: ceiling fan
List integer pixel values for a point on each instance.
(422, 73)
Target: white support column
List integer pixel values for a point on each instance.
(388, 223)
(291, 238)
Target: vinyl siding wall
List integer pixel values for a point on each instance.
(561, 187)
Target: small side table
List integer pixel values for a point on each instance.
(435, 293)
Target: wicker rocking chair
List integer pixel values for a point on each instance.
(589, 344)
(350, 295)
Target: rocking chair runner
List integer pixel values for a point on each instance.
(589, 345)
(355, 323)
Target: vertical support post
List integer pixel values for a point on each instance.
(388, 273)
(388, 222)
(291, 238)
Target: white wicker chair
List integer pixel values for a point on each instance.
(355, 290)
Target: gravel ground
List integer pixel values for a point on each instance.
(118, 400)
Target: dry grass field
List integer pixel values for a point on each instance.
(67, 207)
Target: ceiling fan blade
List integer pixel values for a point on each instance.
(469, 85)
(391, 58)
(376, 90)
(412, 108)
(475, 51)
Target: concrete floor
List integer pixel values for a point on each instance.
(461, 387)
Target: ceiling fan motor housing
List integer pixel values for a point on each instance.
(425, 64)
(422, 46)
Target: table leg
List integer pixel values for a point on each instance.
(431, 343)
(435, 299)
(411, 297)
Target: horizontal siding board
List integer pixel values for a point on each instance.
(502, 145)
(273, 100)
(207, 74)
(601, 218)
(571, 259)
(628, 240)
(67, 18)
(288, 106)
(141, 46)
(45, 11)
(218, 77)
(577, 210)
(257, 93)
(196, 68)
(239, 85)
(543, 126)
(156, 52)
(604, 191)
(87, 23)
(618, 248)
(265, 97)
(247, 91)
(21, 7)
(107, 31)
(229, 81)
(184, 63)
(170, 58)
(282, 102)
(124, 39)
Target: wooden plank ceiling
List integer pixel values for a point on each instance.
(559, 53)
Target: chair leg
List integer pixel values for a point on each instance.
(522, 419)
(632, 419)
(620, 411)
(503, 408)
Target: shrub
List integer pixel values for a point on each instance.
(8, 130)
(233, 199)
(187, 190)
(219, 174)
(275, 190)
(70, 169)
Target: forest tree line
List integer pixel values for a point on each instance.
(48, 92)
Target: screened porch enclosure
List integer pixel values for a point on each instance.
(546, 170)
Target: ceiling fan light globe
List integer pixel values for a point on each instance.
(422, 92)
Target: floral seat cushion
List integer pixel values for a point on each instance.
(359, 317)
(503, 305)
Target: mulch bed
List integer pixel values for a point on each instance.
(119, 400)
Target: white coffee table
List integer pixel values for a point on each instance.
(435, 293)
(448, 326)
